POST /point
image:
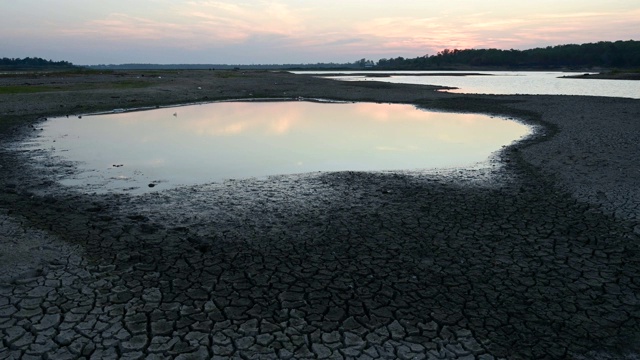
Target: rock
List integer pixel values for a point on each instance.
(321, 351)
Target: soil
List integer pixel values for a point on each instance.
(536, 256)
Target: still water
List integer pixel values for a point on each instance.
(505, 82)
(236, 140)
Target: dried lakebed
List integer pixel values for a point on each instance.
(534, 257)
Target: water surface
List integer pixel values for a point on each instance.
(237, 140)
(504, 82)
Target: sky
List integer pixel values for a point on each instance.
(298, 31)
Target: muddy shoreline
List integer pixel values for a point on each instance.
(536, 256)
(621, 75)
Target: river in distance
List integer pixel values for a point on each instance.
(499, 82)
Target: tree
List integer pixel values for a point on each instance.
(623, 54)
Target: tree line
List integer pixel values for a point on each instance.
(606, 54)
(139, 66)
(32, 63)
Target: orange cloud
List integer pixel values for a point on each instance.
(333, 30)
(489, 29)
(195, 24)
(244, 20)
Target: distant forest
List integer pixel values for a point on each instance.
(333, 66)
(605, 54)
(32, 63)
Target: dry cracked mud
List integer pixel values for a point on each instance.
(535, 256)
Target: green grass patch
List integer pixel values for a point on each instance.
(118, 85)
(58, 72)
(25, 89)
(30, 89)
(624, 71)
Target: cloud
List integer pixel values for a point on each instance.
(487, 29)
(194, 25)
(345, 41)
(243, 20)
(263, 31)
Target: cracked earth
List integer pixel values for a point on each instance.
(535, 256)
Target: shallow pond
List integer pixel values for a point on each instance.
(213, 142)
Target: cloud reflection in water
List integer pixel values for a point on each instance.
(214, 142)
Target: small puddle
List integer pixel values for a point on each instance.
(163, 148)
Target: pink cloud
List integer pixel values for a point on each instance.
(282, 30)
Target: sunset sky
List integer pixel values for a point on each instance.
(298, 31)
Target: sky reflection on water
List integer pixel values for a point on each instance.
(504, 82)
(235, 140)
